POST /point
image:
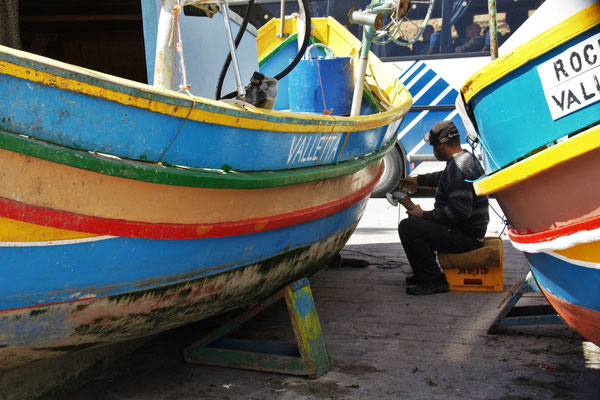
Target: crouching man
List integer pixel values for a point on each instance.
(459, 219)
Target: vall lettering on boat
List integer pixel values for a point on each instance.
(313, 148)
(571, 80)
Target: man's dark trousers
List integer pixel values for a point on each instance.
(421, 238)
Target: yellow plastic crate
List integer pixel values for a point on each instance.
(477, 270)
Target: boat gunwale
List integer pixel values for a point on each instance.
(279, 47)
(68, 77)
(529, 167)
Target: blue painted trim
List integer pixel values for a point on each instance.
(93, 124)
(572, 283)
(404, 73)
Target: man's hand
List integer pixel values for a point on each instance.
(416, 212)
(408, 184)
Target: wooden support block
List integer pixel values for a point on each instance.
(513, 315)
(477, 270)
(308, 356)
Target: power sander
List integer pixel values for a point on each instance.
(401, 197)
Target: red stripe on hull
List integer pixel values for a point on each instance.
(582, 319)
(105, 226)
(550, 234)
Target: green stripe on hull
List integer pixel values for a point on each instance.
(182, 176)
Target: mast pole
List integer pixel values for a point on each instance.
(493, 29)
(163, 62)
(234, 61)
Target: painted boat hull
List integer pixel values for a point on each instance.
(62, 196)
(550, 191)
(513, 102)
(166, 299)
(70, 290)
(126, 210)
(155, 274)
(543, 162)
(83, 109)
(553, 209)
(571, 285)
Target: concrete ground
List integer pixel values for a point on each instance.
(385, 344)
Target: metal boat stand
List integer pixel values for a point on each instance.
(512, 315)
(308, 356)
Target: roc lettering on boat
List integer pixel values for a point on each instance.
(571, 80)
(313, 148)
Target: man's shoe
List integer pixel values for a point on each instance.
(428, 288)
(412, 280)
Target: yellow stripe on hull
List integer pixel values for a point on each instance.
(534, 165)
(18, 231)
(543, 43)
(586, 252)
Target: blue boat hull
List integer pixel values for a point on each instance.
(119, 288)
(85, 122)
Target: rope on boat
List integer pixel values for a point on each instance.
(325, 110)
(180, 127)
(184, 85)
(503, 219)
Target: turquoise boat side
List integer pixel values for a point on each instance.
(513, 117)
(536, 111)
(570, 282)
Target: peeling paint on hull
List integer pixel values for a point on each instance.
(65, 327)
(113, 245)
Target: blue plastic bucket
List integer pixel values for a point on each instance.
(336, 76)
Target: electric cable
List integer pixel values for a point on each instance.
(279, 76)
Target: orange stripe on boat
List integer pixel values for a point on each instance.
(49, 185)
(584, 320)
(114, 227)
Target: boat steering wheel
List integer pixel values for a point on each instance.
(407, 20)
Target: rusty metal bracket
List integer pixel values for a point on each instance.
(308, 356)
